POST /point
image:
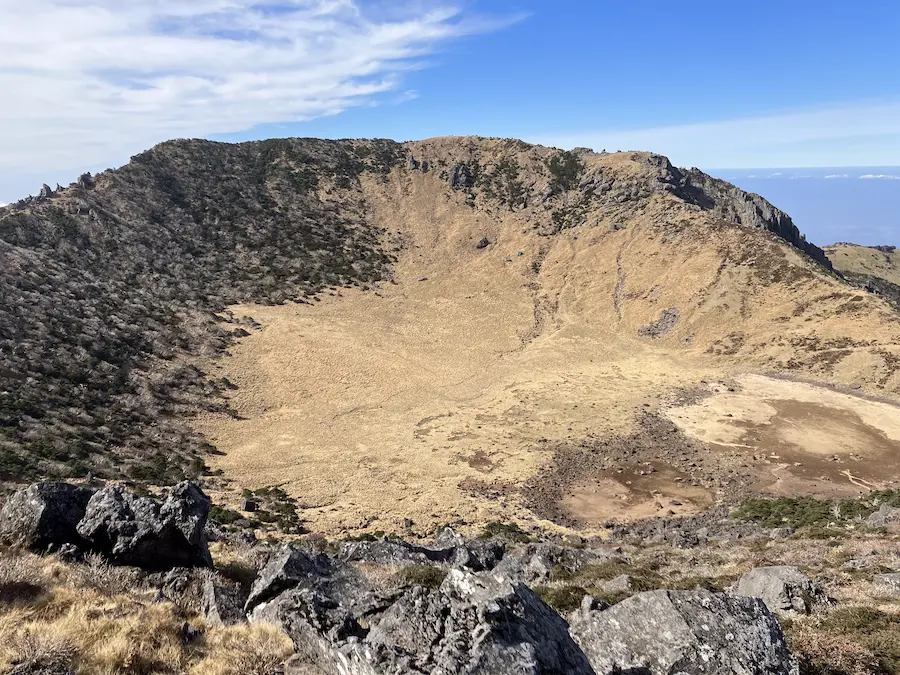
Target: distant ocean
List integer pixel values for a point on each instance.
(857, 204)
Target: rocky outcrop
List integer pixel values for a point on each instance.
(475, 555)
(532, 564)
(461, 177)
(44, 516)
(124, 528)
(682, 632)
(733, 205)
(875, 285)
(222, 604)
(142, 532)
(287, 568)
(724, 200)
(474, 623)
(785, 590)
(885, 516)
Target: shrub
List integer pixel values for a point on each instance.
(509, 531)
(561, 598)
(429, 576)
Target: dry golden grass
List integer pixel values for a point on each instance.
(372, 407)
(99, 620)
(865, 260)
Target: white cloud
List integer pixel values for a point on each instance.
(89, 82)
(849, 135)
(879, 176)
(837, 175)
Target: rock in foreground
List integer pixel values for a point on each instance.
(139, 531)
(683, 632)
(44, 516)
(124, 528)
(474, 623)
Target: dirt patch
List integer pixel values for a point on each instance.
(636, 492)
(800, 438)
(635, 476)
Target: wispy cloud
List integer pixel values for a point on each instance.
(849, 135)
(837, 175)
(879, 176)
(92, 81)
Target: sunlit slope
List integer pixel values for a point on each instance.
(437, 395)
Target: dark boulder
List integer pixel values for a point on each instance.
(685, 633)
(222, 603)
(44, 516)
(484, 242)
(286, 568)
(461, 177)
(145, 533)
(475, 623)
(476, 555)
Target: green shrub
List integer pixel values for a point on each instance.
(565, 169)
(811, 512)
(509, 531)
(223, 515)
(561, 598)
(429, 576)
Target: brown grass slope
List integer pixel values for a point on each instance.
(604, 292)
(876, 261)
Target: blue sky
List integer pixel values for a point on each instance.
(710, 84)
(811, 83)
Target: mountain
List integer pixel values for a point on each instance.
(451, 330)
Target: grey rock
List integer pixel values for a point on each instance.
(143, 532)
(484, 242)
(479, 555)
(620, 584)
(393, 552)
(222, 604)
(476, 623)
(287, 568)
(785, 590)
(44, 516)
(412, 163)
(685, 633)
(46, 192)
(475, 555)
(663, 325)
(889, 582)
(884, 516)
(532, 564)
(249, 506)
(461, 177)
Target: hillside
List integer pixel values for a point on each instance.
(875, 268)
(486, 330)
